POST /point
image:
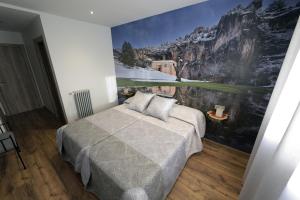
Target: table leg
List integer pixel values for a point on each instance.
(17, 151)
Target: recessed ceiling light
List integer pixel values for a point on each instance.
(91, 12)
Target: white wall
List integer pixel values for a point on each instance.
(82, 58)
(32, 32)
(281, 179)
(282, 105)
(9, 37)
(291, 190)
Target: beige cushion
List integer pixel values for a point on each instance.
(160, 107)
(140, 101)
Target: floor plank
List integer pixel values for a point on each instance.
(215, 173)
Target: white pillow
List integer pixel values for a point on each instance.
(160, 107)
(140, 101)
(127, 101)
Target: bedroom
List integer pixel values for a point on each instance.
(194, 93)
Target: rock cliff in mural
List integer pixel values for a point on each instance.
(246, 47)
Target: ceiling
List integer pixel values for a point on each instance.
(106, 12)
(14, 20)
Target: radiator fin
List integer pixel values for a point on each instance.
(83, 103)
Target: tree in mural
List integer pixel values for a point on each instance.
(179, 68)
(127, 55)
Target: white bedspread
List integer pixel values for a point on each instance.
(183, 121)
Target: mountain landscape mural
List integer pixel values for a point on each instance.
(226, 53)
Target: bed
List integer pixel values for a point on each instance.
(124, 154)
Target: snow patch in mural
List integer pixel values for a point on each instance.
(227, 53)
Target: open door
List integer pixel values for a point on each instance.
(55, 105)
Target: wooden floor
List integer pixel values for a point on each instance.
(215, 173)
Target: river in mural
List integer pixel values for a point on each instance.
(245, 111)
(213, 53)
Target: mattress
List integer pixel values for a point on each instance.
(124, 154)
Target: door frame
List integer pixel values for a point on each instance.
(54, 90)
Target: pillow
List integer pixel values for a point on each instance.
(140, 101)
(160, 107)
(127, 101)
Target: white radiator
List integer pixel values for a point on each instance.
(83, 103)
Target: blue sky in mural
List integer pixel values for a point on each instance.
(153, 31)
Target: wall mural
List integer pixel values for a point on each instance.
(227, 53)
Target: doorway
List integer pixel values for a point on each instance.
(55, 106)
